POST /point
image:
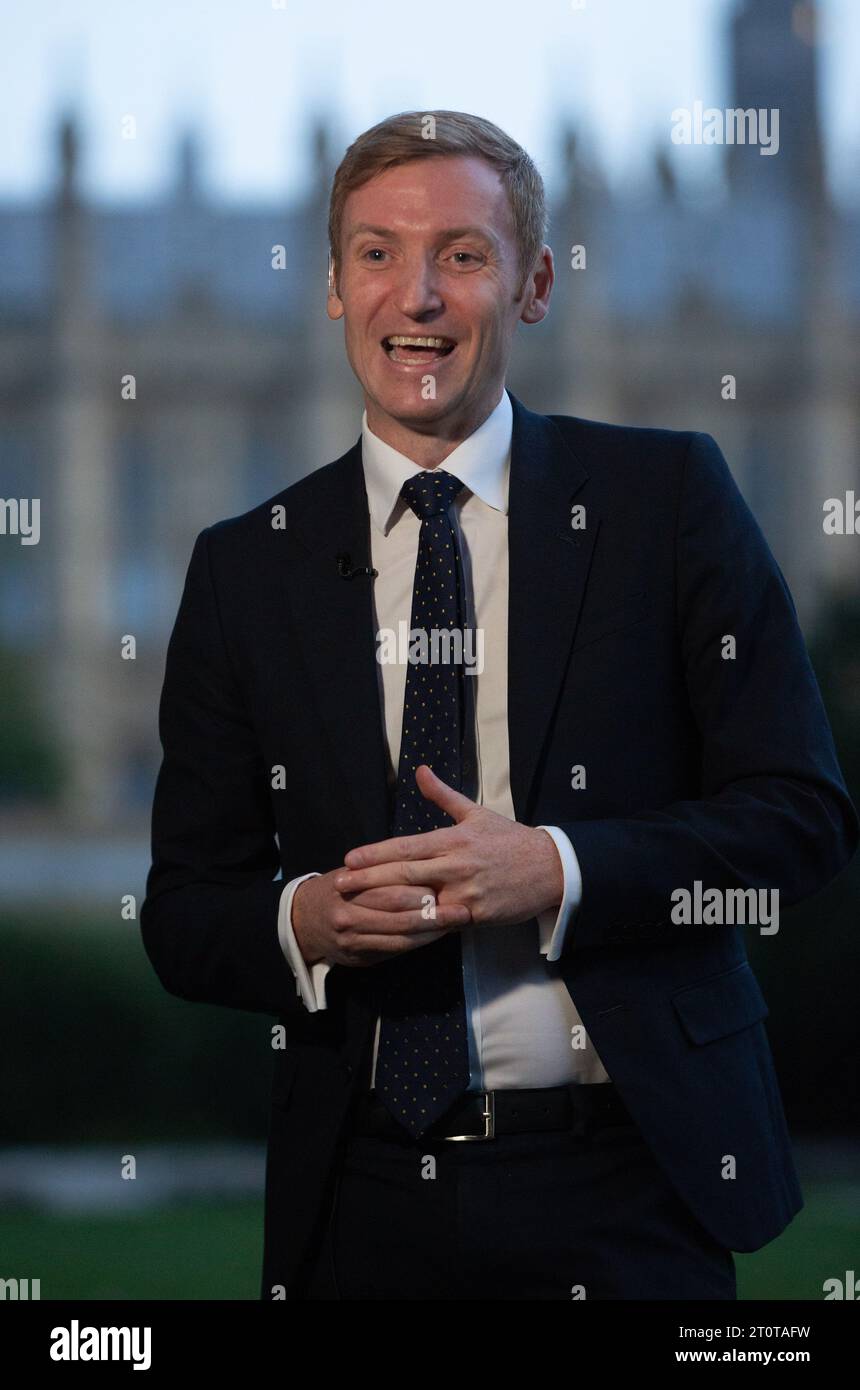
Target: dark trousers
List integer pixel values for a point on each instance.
(539, 1215)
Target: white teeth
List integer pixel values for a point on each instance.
(397, 340)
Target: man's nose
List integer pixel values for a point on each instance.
(418, 290)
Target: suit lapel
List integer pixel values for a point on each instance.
(335, 620)
(548, 564)
(548, 569)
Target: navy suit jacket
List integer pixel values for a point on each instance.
(698, 769)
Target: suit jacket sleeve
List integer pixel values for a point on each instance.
(210, 917)
(773, 811)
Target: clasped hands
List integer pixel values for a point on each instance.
(405, 892)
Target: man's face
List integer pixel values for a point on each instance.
(428, 251)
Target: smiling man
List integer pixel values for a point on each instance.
(504, 1069)
(465, 289)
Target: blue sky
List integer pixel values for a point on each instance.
(249, 76)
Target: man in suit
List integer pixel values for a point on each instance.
(511, 1067)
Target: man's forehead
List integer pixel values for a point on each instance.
(476, 187)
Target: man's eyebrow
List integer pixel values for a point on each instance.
(454, 233)
(447, 234)
(361, 227)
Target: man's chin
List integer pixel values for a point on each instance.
(410, 408)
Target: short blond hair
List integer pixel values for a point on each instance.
(401, 138)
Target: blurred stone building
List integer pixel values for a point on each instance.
(242, 384)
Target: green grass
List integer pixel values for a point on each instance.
(182, 1252)
(822, 1242)
(202, 1251)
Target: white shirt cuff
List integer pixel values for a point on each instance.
(310, 982)
(552, 925)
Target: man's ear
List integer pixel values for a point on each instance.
(334, 306)
(538, 288)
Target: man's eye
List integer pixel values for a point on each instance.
(374, 251)
(468, 254)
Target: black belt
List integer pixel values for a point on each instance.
(484, 1114)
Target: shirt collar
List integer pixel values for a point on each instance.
(481, 462)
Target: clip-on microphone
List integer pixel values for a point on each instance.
(346, 571)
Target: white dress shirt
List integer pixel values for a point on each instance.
(523, 1027)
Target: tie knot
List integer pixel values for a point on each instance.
(431, 492)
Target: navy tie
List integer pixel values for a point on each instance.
(422, 1063)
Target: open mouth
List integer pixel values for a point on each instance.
(413, 351)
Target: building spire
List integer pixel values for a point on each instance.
(773, 46)
(68, 149)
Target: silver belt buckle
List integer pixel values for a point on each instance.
(489, 1116)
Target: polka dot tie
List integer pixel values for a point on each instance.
(422, 1063)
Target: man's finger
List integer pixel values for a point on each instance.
(393, 897)
(370, 921)
(401, 847)
(394, 874)
(454, 803)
